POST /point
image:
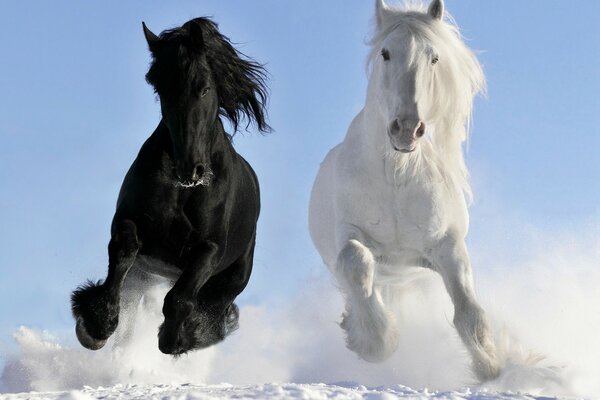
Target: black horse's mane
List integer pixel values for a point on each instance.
(241, 81)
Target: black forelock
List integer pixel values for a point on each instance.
(241, 81)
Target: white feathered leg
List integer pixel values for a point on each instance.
(451, 260)
(371, 330)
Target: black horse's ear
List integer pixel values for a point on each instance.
(196, 36)
(151, 38)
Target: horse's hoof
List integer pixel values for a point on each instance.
(85, 339)
(486, 370)
(374, 338)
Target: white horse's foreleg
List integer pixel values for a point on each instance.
(451, 260)
(371, 330)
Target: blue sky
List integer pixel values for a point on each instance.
(75, 109)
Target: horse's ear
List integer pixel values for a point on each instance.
(196, 36)
(381, 10)
(151, 38)
(436, 9)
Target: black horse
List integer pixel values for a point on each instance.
(189, 204)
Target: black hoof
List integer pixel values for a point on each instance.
(171, 339)
(85, 339)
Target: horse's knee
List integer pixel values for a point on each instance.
(355, 267)
(455, 270)
(124, 243)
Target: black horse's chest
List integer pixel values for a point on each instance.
(175, 220)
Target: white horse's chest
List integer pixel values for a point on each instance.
(403, 217)
(395, 216)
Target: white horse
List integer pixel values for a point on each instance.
(394, 193)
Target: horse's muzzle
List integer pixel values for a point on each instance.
(404, 134)
(200, 176)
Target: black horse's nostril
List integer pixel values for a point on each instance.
(197, 172)
(420, 130)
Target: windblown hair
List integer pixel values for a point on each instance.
(448, 92)
(240, 81)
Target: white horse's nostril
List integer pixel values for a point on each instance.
(419, 130)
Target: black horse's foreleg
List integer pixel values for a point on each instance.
(180, 302)
(201, 314)
(95, 306)
(216, 298)
(199, 310)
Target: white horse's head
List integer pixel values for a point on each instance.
(423, 77)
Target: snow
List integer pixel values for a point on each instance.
(271, 391)
(545, 317)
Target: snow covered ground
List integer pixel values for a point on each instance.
(266, 391)
(546, 317)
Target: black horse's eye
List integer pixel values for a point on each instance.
(385, 54)
(434, 60)
(205, 91)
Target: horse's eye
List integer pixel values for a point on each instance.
(385, 54)
(435, 60)
(205, 91)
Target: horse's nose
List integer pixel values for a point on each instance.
(404, 126)
(197, 172)
(191, 173)
(395, 126)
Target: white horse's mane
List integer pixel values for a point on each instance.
(457, 78)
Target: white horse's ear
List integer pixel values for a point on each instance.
(436, 9)
(381, 10)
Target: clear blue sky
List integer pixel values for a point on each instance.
(74, 110)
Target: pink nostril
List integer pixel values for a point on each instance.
(419, 130)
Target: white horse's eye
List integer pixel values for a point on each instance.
(385, 54)
(205, 91)
(435, 60)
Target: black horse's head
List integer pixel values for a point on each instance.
(198, 75)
